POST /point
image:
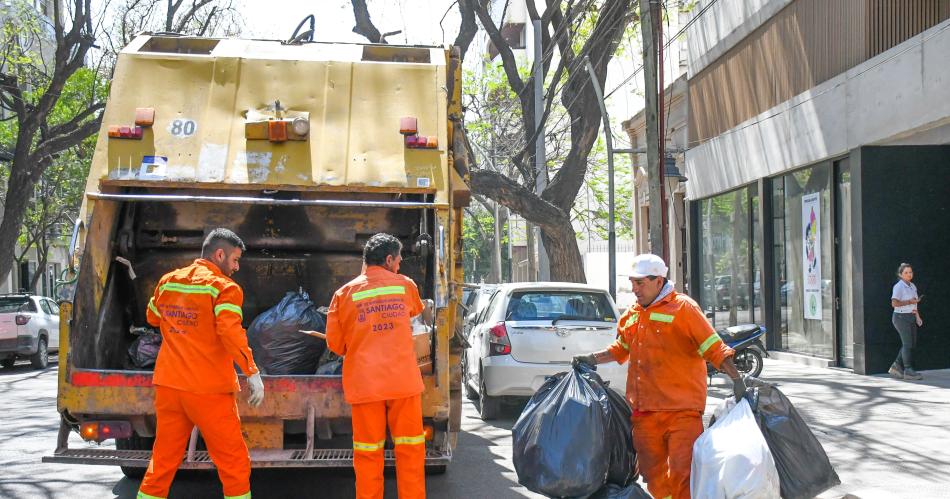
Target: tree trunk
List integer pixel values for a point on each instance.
(560, 240)
(19, 189)
(496, 247)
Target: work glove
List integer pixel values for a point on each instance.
(738, 388)
(585, 359)
(256, 385)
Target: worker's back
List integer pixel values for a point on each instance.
(371, 314)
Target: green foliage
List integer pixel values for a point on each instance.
(591, 207)
(477, 240)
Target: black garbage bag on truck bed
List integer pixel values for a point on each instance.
(803, 467)
(559, 441)
(275, 338)
(144, 348)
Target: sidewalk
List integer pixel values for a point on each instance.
(885, 437)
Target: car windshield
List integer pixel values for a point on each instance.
(13, 304)
(560, 305)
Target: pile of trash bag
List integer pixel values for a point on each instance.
(144, 348)
(329, 364)
(275, 338)
(573, 438)
(804, 469)
(731, 458)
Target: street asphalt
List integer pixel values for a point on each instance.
(885, 437)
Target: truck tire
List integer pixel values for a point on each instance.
(134, 442)
(40, 359)
(8, 363)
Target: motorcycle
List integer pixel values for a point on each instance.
(746, 340)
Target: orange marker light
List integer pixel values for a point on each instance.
(432, 142)
(277, 131)
(114, 131)
(89, 431)
(408, 125)
(429, 432)
(144, 116)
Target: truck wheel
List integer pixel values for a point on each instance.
(436, 469)
(40, 359)
(134, 442)
(8, 363)
(488, 407)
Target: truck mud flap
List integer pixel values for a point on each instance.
(295, 458)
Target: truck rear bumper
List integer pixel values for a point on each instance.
(200, 460)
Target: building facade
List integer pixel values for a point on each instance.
(818, 148)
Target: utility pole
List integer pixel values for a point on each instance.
(648, 17)
(496, 217)
(608, 136)
(541, 167)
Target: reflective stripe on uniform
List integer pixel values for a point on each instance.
(385, 290)
(656, 316)
(242, 496)
(713, 338)
(368, 447)
(420, 439)
(630, 320)
(198, 289)
(623, 343)
(229, 307)
(143, 495)
(152, 307)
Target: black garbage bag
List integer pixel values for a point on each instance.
(275, 338)
(611, 491)
(803, 467)
(144, 348)
(330, 364)
(559, 441)
(623, 457)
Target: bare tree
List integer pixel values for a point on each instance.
(30, 93)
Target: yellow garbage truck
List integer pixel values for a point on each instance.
(305, 150)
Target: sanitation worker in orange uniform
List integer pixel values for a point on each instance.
(667, 340)
(369, 324)
(198, 309)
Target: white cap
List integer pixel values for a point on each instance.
(648, 265)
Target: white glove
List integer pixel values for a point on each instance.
(256, 384)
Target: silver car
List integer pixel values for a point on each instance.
(29, 329)
(530, 331)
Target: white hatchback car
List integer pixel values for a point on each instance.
(29, 329)
(531, 331)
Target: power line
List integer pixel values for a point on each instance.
(666, 46)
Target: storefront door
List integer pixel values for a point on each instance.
(844, 304)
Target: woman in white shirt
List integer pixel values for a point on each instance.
(906, 320)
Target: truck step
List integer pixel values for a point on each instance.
(292, 458)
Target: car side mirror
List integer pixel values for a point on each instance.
(470, 317)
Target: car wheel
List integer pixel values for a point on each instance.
(470, 393)
(8, 363)
(749, 362)
(489, 407)
(40, 359)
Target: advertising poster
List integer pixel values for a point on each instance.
(811, 253)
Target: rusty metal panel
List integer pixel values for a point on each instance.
(201, 99)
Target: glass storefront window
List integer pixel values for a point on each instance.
(806, 310)
(726, 259)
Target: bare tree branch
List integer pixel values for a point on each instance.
(364, 25)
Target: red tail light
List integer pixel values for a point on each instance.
(21, 320)
(498, 342)
(103, 430)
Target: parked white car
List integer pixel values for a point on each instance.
(29, 329)
(530, 331)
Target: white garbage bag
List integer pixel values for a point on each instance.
(731, 459)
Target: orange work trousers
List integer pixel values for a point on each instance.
(216, 416)
(664, 443)
(369, 439)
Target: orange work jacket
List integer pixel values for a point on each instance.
(368, 324)
(198, 310)
(667, 344)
